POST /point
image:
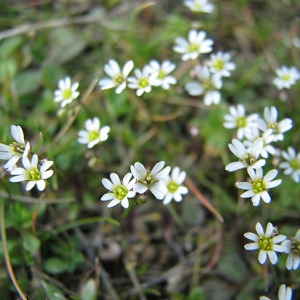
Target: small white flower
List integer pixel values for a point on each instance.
(174, 186)
(118, 78)
(67, 91)
(293, 249)
(248, 157)
(194, 46)
(267, 136)
(162, 72)
(119, 191)
(34, 174)
(270, 122)
(220, 64)
(238, 119)
(284, 293)
(265, 242)
(259, 185)
(93, 134)
(13, 152)
(208, 85)
(199, 6)
(286, 77)
(143, 80)
(292, 164)
(152, 180)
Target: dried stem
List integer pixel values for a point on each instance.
(6, 254)
(202, 199)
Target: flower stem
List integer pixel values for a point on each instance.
(6, 254)
(202, 199)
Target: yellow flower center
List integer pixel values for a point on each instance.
(17, 148)
(119, 79)
(148, 180)
(120, 192)
(295, 164)
(295, 246)
(161, 74)
(94, 135)
(193, 47)
(143, 82)
(241, 122)
(172, 186)
(265, 243)
(67, 94)
(259, 186)
(219, 64)
(208, 85)
(33, 174)
(275, 127)
(286, 77)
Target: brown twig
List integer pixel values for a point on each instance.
(76, 112)
(202, 199)
(6, 254)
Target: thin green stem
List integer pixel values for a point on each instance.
(6, 254)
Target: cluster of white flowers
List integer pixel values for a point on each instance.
(151, 75)
(34, 171)
(140, 180)
(254, 144)
(208, 75)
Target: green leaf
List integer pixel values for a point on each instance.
(89, 291)
(66, 44)
(28, 81)
(8, 46)
(196, 293)
(55, 265)
(31, 243)
(52, 291)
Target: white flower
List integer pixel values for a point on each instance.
(13, 152)
(265, 242)
(194, 46)
(208, 86)
(284, 293)
(150, 179)
(199, 6)
(220, 64)
(34, 174)
(238, 119)
(259, 185)
(174, 186)
(93, 134)
(162, 72)
(143, 80)
(67, 91)
(267, 137)
(270, 122)
(248, 157)
(293, 249)
(292, 164)
(119, 191)
(286, 77)
(118, 78)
